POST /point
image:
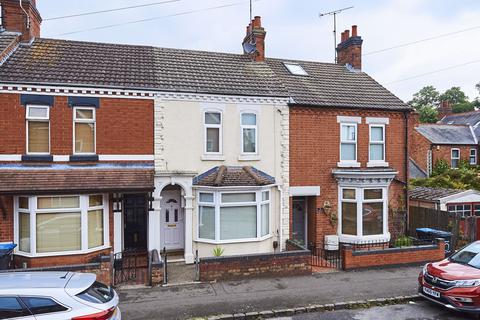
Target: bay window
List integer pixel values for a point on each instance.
(49, 225)
(213, 132)
(38, 129)
(233, 216)
(84, 130)
(363, 213)
(249, 133)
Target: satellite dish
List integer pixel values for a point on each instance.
(249, 47)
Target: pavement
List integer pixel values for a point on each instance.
(230, 297)
(421, 310)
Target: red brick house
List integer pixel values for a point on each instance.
(451, 143)
(348, 150)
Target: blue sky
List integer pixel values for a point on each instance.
(294, 30)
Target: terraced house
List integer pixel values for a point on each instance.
(109, 148)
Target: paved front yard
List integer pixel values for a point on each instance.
(183, 302)
(413, 311)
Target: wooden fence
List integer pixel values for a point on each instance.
(464, 229)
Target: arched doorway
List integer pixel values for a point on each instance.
(172, 217)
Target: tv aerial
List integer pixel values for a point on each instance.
(334, 14)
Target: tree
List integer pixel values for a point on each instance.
(454, 95)
(478, 87)
(428, 114)
(464, 107)
(427, 97)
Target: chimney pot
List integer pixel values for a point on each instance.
(354, 31)
(350, 52)
(255, 35)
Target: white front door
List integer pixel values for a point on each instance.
(172, 221)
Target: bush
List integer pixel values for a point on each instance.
(440, 167)
(403, 241)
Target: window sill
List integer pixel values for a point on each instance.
(234, 241)
(63, 253)
(373, 164)
(213, 157)
(351, 164)
(83, 157)
(247, 157)
(362, 239)
(37, 157)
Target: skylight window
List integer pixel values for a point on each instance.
(295, 69)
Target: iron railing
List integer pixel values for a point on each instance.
(323, 258)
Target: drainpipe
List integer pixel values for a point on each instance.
(407, 159)
(280, 231)
(26, 14)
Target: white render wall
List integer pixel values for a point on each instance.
(179, 144)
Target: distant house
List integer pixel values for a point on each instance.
(433, 142)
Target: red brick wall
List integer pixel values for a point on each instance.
(315, 152)
(393, 256)
(14, 19)
(291, 263)
(444, 152)
(124, 126)
(59, 260)
(419, 147)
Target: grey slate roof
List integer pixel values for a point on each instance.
(231, 176)
(432, 194)
(447, 134)
(61, 62)
(414, 171)
(467, 118)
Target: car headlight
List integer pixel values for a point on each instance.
(467, 283)
(425, 267)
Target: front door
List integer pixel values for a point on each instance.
(299, 231)
(135, 221)
(172, 221)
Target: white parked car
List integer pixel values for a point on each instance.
(55, 296)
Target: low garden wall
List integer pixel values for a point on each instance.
(288, 263)
(156, 269)
(103, 268)
(358, 259)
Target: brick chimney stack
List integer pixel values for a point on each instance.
(254, 41)
(15, 19)
(444, 109)
(349, 50)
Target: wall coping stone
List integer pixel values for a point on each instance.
(283, 254)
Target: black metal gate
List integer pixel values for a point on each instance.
(130, 266)
(324, 258)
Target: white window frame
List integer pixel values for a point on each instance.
(360, 200)
(91, 121)
(377, 163)
(217, 204)
(474, 156)
(349, 163)
(83, 209)
(216, 126)
(255, 127)
(38, 119)
(452, 158)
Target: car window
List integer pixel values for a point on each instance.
(11, 308)
(97, 293)
(42, 305)
(469, 255)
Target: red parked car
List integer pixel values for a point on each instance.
(455, 281)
